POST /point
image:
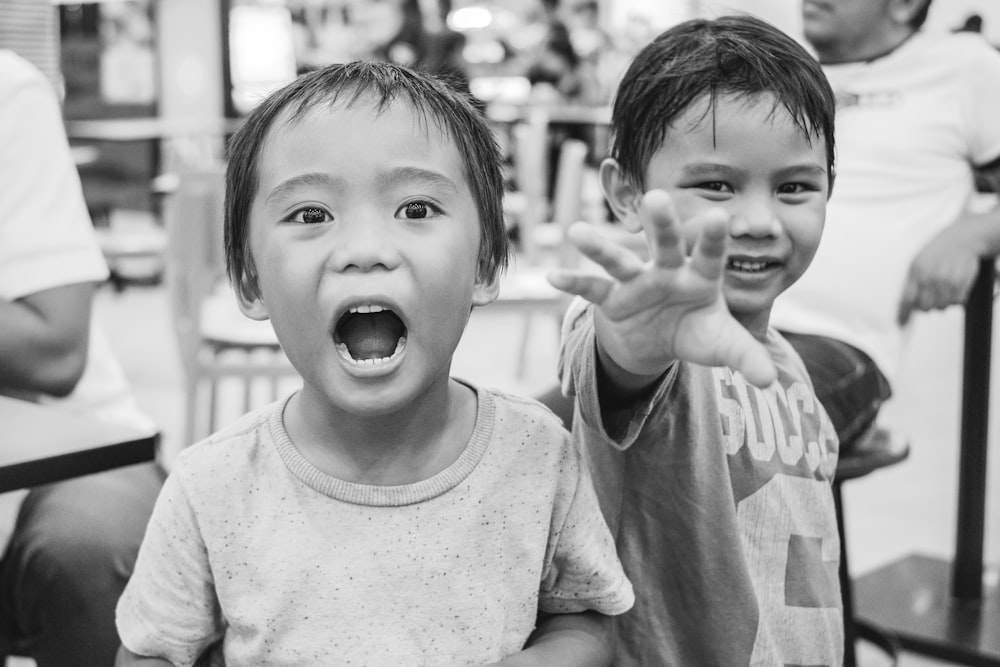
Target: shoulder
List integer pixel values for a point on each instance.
(15, 71)
(962, 48)
(529, 412)
(230, 451)
(20, 80)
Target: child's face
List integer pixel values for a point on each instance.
(749, 158)
(365, 237)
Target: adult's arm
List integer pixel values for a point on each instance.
(43, 341)
(943, 272)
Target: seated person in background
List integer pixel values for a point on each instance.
(712, 457)
(917, 112)
(386, 513)
(68, 557)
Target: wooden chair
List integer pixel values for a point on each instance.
(874, 451)
(541, 239)
(220, 347)
(947, 608)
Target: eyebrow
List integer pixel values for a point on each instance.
(429, 176)
(288, 186)
(384, 179)
(715, 168)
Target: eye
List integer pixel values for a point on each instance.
(417, 210)
(796, 188)
(715, 186)
(309, 215)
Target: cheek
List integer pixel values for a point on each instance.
(806, 230)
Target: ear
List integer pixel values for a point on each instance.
(622, 196)
(903, 11)
(250, 302)
(486, 291)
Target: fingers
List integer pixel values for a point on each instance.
(593, 288)
(666, 239)
(708, 257)
(620, 262)
(662, 227)
(935, 293)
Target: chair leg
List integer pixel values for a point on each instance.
(854, 630)
(846, 588)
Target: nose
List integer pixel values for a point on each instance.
(757, 218)
(363, 243)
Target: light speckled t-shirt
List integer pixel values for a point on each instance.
(251, 543)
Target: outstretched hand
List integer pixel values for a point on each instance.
(672, 307)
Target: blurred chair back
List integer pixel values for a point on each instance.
(545, 247)
(232, 364)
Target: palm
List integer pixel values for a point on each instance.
(671, 307)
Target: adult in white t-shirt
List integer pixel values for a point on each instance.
(67, 559)
(917, 113)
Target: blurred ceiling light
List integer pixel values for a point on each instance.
(469, 18)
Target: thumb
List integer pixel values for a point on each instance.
(750, 357)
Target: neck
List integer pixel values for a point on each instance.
(405, 446)
(878, 46)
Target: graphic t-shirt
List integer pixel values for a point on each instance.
(719, 495)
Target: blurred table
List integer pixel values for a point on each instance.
(950, 610)
(40, 444)
(143, 129)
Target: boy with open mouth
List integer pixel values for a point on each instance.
(386, 513)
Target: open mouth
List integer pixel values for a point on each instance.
(369, 334)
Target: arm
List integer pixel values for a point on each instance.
(649, 314)
(126, 658)
(942, 273)
(43, 340)
(573, 640)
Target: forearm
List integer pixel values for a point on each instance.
(618, 387)
(43, 341)
(573, 640)
(981, 230)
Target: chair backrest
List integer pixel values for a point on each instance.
(567, 198)
(195, 264)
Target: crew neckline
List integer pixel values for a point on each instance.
(375, 495)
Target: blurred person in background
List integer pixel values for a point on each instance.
(916, 117)
(397, 31)
(67, 558)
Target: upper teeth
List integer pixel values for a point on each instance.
(744, 265)
(366, 309)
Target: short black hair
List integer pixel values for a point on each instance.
(731, 55)
(379, 84)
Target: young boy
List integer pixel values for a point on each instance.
(718, 491)
(385, 514)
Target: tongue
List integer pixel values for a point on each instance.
(370, 336)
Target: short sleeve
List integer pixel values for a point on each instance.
(47, 239)
(577, 370)
(982, 101)
(582, 570)
(169, 608)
